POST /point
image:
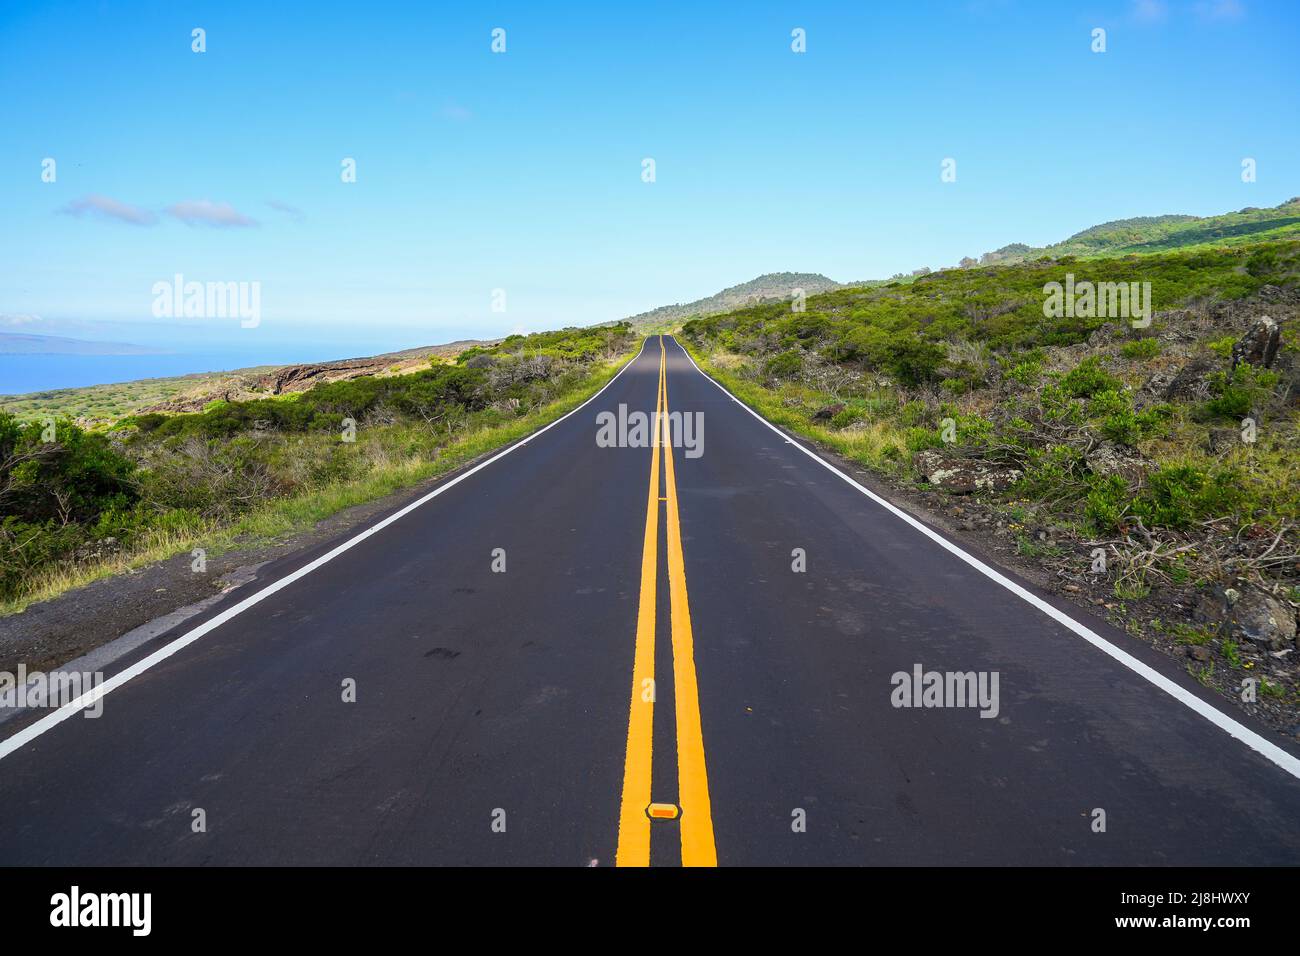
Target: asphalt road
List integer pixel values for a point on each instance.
(504, 717)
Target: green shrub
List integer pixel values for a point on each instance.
(1222, 347)
(1178, 496)
(1059, 407)
(1106, 502)
(1175, 496)
(1235, 395)
(1140, 349)
(1088, 378)
(1263, 263)
(972, 431)
(1026, 373)
(955, 386)
(1122, 427)
(1118, 421)
(784, 365)
(914, 360)
(844, 419)
(55, 495)
(1056, 473)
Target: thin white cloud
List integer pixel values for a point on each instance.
(104, 207)
(205, 212)
(289, 210)
(12, 320)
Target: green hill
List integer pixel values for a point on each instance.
(772, 287)
(1146, 234)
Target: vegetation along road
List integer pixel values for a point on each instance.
(598, 647)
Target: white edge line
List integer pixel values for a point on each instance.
(52, 719)
(1221, 720)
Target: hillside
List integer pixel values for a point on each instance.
(774, 286)
(1135, 236)
(1147, 234)
(1171, 450)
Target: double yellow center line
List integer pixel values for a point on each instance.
(695, 818)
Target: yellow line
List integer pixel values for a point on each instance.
(633, 824)
(692, 776)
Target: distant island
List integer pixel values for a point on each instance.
(18, 343)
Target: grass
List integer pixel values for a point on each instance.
(1184, 633)
(281, 517)
(1027, 547)
(877, 444)
(1230, 650)
(1131, 590)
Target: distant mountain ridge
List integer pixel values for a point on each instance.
(765, 288)
(1140, 234)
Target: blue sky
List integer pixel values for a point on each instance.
(522, 171)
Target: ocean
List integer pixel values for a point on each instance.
(20, 374)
